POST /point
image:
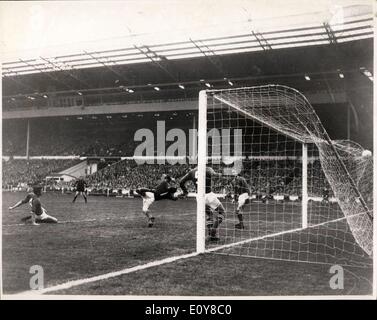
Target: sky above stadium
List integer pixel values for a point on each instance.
(51, 28)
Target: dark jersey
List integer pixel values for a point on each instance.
(193, 176)
(35, 203)
(162, 188)
(80, 185)
(164, 191)
(240, 186)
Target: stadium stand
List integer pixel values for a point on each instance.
(16, 172)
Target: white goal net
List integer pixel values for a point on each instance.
(309, 198)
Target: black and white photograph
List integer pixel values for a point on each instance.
(204, 149)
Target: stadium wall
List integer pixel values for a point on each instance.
(180, 105)
(104, 109)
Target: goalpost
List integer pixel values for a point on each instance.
(311, 197)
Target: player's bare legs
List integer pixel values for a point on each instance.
(150, 218)
(43, 218)
(76, 194)
(148, 199)
(241, 201)
(83, 194)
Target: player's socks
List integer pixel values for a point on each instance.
(240, 219)
(213, 235)
(150, 222)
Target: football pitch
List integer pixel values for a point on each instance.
(108, 235)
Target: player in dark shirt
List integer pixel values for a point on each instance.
(38, 213)
(164, 190)
(241, 196)
(80, 186)
(212, 203)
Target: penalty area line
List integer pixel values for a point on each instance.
(79, 282)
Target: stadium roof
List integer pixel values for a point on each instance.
(232, 27)
(240, 43)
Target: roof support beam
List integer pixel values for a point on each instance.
(47, 74)
(330, 33)
(18, 82)
(124, 78)
(66, 71)
(160, 61)
(262, 41)
(213, 58)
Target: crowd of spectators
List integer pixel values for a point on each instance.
(264, 176)
(83, 145)
(16, 172)
(127, 174)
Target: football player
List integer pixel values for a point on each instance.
(38, 213)
(164, 190)
(241, 196)
(80, 186)
(213, 206)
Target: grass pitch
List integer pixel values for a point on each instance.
(110, 234)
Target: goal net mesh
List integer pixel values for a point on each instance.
(259, 133)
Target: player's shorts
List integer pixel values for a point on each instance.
(148, 199)
(212, 201)
(43, 216)
(80, 190)
(242, 200)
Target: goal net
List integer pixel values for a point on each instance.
(309, 199)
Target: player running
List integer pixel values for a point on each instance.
(163, 191)
(80, 186)
(212, 203)
(241, 196)
(38, 213)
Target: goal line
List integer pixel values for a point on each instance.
(225, 246)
